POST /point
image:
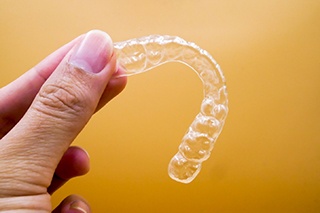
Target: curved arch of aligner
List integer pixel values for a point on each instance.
(142, 54)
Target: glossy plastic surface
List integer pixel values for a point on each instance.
(142, 54)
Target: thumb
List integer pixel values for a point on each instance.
(63, 106)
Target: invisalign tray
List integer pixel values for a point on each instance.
(142, 54)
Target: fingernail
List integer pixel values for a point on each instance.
(93, 52)
(79, 207)
(117, 66)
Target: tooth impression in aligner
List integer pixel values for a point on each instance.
(142, 54)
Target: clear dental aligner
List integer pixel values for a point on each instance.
(142, 54)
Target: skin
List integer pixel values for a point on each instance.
(42, 112)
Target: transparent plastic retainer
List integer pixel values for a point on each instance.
(142, 54)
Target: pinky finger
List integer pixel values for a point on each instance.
(73, 204)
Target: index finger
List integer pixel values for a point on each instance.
(17, 96)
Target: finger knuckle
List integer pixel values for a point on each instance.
(61, 99)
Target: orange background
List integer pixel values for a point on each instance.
(267, 158)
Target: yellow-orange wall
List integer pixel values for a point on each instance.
(267, 158)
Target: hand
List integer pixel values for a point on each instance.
(42, 112)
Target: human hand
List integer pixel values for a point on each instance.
(42, 112)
